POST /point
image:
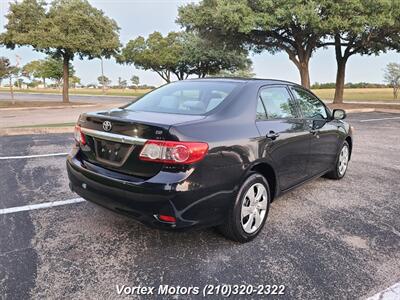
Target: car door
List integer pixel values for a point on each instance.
(284, 137)
(324, 137)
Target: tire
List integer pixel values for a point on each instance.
(241, 225)
(340, 170)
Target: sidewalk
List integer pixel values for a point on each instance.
(55, 115)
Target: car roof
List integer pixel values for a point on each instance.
(243, 79)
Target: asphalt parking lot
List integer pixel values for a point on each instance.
(325, 240)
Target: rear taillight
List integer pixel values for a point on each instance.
(173, 152)
(79, 136)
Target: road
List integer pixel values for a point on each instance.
(73, 98)
(325, 240)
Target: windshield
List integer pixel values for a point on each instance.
(185, 97)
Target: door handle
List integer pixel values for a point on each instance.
(272, 135)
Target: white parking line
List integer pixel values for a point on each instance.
(391, 293)
(32, 156)
(381, 119)
(16, 209)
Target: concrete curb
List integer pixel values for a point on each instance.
(43, 130)
(361, 110)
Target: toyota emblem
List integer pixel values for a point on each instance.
(107, 125)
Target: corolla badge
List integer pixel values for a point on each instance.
(107, 125)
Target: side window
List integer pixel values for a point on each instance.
(277, 103)
(261, 114)
(311, 106)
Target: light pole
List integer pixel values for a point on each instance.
(102, 76)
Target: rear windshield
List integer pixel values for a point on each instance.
(185, 97)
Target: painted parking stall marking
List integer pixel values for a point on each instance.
(391, 293)
(11, 210)
(16, 209)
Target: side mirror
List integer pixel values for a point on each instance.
(338, 114)
(318, 124)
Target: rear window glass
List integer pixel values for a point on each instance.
(191, 98)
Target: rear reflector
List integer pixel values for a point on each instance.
(173, 152)
(168, 219)
(79, 136)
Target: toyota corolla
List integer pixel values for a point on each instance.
(208, 152)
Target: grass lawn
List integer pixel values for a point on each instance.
(367, 94)
(82, 91)
(8, 104)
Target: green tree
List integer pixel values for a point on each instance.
(157, 53)
(392, 77)
(103, 80)
(182, 54)
(122, 83)
(31, 69)
(67, 28)
(243, 73)
(293, 26)
(135, 80)
(53, 68)
(203, 57)
(35, 69)
(48, 68)
(34, 83)
(18, 82)
(8, 71)
(362, 27)
(74, 81)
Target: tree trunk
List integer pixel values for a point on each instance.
(65, 78)
(11, 90)
(395, 92)
(301, 61)
(44, 82)
(304, 74)
(340, 78)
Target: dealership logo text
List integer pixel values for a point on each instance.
(162, 290)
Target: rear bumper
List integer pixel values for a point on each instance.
(194, 205)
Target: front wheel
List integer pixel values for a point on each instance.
(248, 214)
(341, 164)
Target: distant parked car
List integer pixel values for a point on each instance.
(208, 152)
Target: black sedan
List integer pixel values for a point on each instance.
(208, 152)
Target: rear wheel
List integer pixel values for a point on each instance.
(248, 214)
(341, 164)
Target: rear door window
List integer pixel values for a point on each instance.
(278, 103)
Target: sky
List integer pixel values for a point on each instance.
(142, 17)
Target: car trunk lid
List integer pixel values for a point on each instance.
(115, 138)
